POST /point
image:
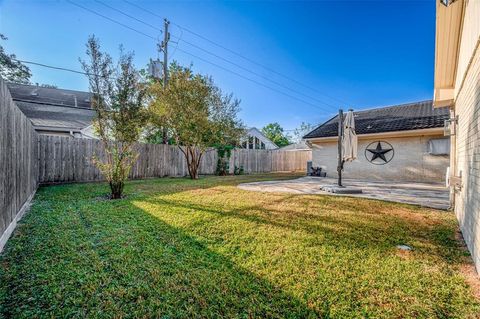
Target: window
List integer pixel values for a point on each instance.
(262, 145)
(257, 143)
(250, 142)
(439, 146)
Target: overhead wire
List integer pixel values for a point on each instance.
(206, 61)
(129, 16)
(55, 67)
(51, 66)
(238, 54)
(195, 56)
(176, 45)
(251, 80)
(255, 73)
(110, 19)
(217, 56)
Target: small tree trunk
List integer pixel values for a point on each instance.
(116, 189)
(193, 158)
(194, 163)
(194, 174)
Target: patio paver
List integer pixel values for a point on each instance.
(423, 194)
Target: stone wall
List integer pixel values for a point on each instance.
(411, 161)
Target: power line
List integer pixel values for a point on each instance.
(57, 68)
(51, 67)
(87, 74)
(212, 63)
(176, 46)
(258, 64)
(129, 16)
(252, 80)
(219, 57)
(238, 54)
(110, 19)
(255, 73)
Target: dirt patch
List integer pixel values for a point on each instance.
(467, 268)
(404, 254)
(430, 218)
(472, 279)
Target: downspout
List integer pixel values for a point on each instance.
(453, 156)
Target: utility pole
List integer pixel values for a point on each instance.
(164, 49)
(340, 147)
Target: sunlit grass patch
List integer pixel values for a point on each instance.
(177, 248)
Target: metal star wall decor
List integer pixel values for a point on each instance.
(381, 154)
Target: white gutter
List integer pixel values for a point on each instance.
(420, 132)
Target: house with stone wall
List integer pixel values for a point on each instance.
(395, 143)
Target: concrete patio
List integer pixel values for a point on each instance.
(423, 194)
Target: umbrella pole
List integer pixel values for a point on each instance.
(340, 156)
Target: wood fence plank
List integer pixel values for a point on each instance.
(65, 159)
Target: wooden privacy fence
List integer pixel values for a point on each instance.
(66, 159)
(18, 163)
(266, 161)
(28, 159)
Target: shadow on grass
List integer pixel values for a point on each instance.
(119, 261)
(356, 226)
(76, 256)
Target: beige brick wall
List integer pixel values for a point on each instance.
(411, 161)
(467, 108)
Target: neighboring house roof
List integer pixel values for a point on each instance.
(253, 131)
(46, 115)
(302, 145)
(405, 117)
(53, 108)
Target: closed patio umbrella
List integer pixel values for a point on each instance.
(349, 140)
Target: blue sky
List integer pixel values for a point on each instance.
(352, 53)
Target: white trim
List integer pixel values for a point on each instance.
(57, 129)
(254, 132)
(8, 232)
(448, 30)
(420, 132)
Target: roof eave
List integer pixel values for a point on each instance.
(57, 128)
(449, 20)
(406, 133)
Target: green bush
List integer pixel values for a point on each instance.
(224, 153)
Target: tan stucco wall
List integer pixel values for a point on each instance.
(411, 161)
(467, 108)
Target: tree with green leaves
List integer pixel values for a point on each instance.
(275, 133)
(119, 99)
(196, 112)
(300, 131)
(12, 70)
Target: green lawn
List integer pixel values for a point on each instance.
(175, 248)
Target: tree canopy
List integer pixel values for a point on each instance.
(276, 134)
(10, 69)
(196, 112)
(119, 99)
(300, 131)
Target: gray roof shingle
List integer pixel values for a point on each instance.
(405, 117)
(56, 116)
(55, 108)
